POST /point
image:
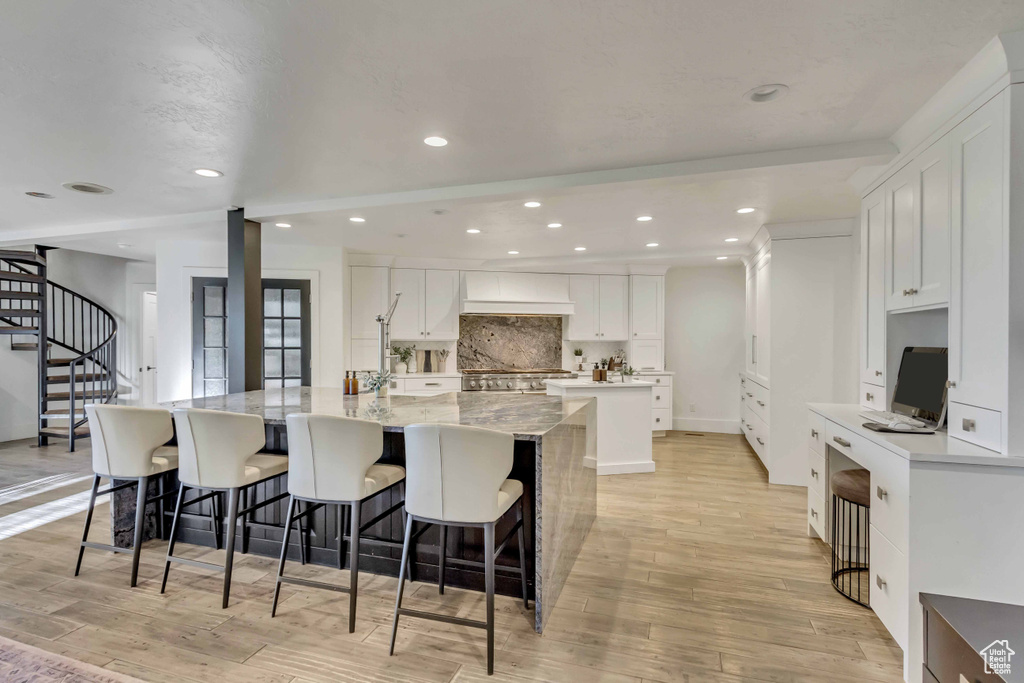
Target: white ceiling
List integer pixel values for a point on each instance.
(308, 101)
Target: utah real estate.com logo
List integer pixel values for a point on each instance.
(997, 657)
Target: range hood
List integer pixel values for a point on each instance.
(486, 293)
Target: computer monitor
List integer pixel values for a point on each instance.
(921, 385)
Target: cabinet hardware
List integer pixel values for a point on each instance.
(749, 427)
(761, 403)
(750, 395)
(842, 442)
(878, 373)
(968, 425)
(814, 433)
(950, 384)
(753, 349)
(759, 441)
(912, 291)
(814, 513)
(814, 473)
(905, 292)
(657, 419)
(743, 398)
(657, 381)
(881, 493)
(870, 397)
(657, 398)
(634, 334)
(433, 384)
(879, 581)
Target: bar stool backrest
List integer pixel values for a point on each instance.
(124, 438)
(328, 456)
(213, 446)
(453, 473)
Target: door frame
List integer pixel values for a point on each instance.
(131, 353)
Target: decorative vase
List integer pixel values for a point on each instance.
(627, 379)
(413, 368)
(401, 368)
(381, 392)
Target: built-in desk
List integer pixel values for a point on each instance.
(946, 517)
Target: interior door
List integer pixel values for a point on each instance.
(149, 377)
(872, 236)
(286, 334)
(209, 336)
(614, 307)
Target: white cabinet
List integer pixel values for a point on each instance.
(918, 224)
(647, 354)
(369, 299)
(601, 305)
(647, 294)
(661, 400)
(978, 306)
(429, 305)
(872, 300)
(762, 335)
(750, 319)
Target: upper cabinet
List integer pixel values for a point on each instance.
(872, 300)
(429, 305)
(369, 299)
(647, 293)
(601, 307)
(917, 223)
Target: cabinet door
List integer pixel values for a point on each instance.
(441, 304)
(584, 292)
(762, 339)
(407, 323)
(369, 299)
(901, 214)
(613, 319)
(750, 321)
(872, 257)
(648, 354)
(978, 293)
(646, 296)
(931, 234)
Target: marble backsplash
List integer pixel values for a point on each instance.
(509, 341)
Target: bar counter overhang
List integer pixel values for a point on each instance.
(553, 438)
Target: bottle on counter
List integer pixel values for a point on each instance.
(597, 373)
(346, 389)
(353, 386)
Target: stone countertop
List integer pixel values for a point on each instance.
(591, 384)
(426, 375)
(526, 416)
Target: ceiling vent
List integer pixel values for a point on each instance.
(88, 188)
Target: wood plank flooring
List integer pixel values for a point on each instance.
(698, 572)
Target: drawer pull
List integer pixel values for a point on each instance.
(879, 581)
(814, 433)
(750, 395)
(657, 419)
(842, 442)
(869, 397)
(749, 427)
(814, 513)
(657, 398)
(912, 291)
(969, 425)
(814, 473)
(906, 292)
(657, 381)
(881, 493)
(743, 398)
(878, 373)
(432, 384)
(759, 441)
(761, 403)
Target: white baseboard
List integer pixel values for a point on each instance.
(626, 468)
(687, 424)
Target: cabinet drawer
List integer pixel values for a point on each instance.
(816, 433)
(759, 401)
(661, 397)
(978, 425)
(872, 397)
(816, 514)
(661, 419)
(890, 497)
(659, 380)
(845, 441)
(816, 473)
(760, 439)
(430, 384)
(889, 586)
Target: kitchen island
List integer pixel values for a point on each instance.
(553, 459)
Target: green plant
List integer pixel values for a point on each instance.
(404, 353)
(378, 380)
(628, 370)
(577, 352)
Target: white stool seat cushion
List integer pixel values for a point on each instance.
(509, 493)
(263, 466)
(165, 459)
(379, 477)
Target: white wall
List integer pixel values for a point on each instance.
(704, 310)
(178, 261)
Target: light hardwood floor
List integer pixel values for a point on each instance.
(698, 572)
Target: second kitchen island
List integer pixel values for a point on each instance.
(554, 459)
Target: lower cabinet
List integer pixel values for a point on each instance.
(889, 590)
(661, 400)
(424, 386)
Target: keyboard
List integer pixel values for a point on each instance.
(885, 417)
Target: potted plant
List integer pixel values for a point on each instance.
(577, 355)
(403, 353)
(443, 355)
(379, 382)
(627, 374)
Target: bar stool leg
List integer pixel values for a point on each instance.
(88, 521)
(161, 508)
(441, 558)
(140, 526)
(284, 553)
(341, 535)
(489, 580)
(215, 521)
(229, 546)
(401, 580)
(522, 551)
(174, 531)
(354, 564)
(245, 516)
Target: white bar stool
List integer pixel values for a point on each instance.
(332, 462)
(128, 443)
(219, 452)
(456, 476)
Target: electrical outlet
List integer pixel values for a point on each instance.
(693, 407)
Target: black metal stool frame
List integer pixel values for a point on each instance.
(844, 571)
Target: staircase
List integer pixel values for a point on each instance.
(74, 338)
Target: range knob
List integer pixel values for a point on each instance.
(472, 383)
(489, 383)
(533, 385)
(508, 384)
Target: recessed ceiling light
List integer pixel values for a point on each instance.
(644, 219)
(357, 219)
(732, 239)
(531, 205)
(766, 93)
(554, 225)
(746, 209)
(581, 248)
(40, 195)
(721, 258)
(208, 172)
(513, 253)
(473, 231)
(283, 225)
(435, 141)
(652, 244)
(87, 188)
(123, 245)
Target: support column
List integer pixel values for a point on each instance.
(245, 304)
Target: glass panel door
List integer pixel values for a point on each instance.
(209, 337)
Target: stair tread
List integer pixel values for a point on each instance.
(19, 256)
(12, 276)
(19, 330)
(19, 313)
(7, 294)
(79, 377)
(57, 362)
(64, 431)
(26, 346)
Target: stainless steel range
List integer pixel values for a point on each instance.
(523, 381)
